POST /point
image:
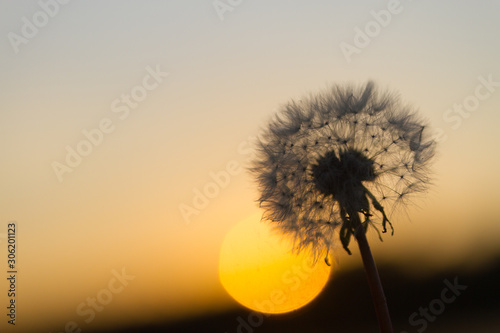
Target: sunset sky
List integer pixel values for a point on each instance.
(172, 93)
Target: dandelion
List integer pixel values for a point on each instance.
(340, 162)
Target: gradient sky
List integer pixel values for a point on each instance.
(119, 208)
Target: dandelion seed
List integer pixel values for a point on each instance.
(342, 171)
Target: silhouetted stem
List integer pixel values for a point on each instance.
(376, 289)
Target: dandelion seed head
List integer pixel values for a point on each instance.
(344, 148)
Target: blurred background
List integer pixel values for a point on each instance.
(126, 128)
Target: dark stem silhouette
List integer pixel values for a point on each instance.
(372, 275)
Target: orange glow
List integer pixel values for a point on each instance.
(258, 270)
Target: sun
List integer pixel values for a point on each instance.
(258, 270)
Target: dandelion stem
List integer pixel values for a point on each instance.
(372, 275)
